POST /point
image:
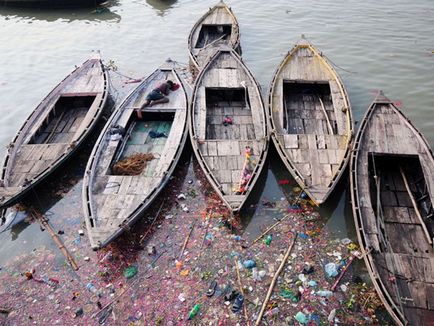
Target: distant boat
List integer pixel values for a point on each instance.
(217, 27)
(113, 200)
(51, 4)
(311, 123)
(55, 130)
(228, 127)
(392, 194)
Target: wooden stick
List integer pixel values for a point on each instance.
(242, 291)
(216, 40)
(342, 273)
(273, 282)
(153, 221)
(327, 117)
(186, 240)
(416, 209)
(44, 223)
(269, 229)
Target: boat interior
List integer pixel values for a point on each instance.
(397, 185)
(308, 108)
(146, 136)
(228, 114)
(63, 120)
(210, 33)
(404, 222)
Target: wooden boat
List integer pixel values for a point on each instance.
(228, 127)
(54, 130)
(51, 4)
(311, 123)
(113, 201)
(217, 27)
(392, 193)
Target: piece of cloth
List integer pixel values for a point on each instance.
(163, 88)
(156, 134)
(155, 95)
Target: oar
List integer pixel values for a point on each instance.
(416, 209)
(329, 125)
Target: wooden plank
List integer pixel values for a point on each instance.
(291, 141)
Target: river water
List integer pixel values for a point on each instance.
(374, 44)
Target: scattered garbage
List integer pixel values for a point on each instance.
(238, 303)
(151, 250)
(91, 288)
(301, 318)
(331, 316)
(331, 270)
(249, 263)
(289, 294)
(268, 239)
(324, 293)
(308, 268)
(194, 311)
(184, 269)
(130, 272)
(181, 196)
(312, 283)
(181, 297)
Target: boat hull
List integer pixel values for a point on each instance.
(112, 200)
(228, 127)
(392, 191)
(311, 121)
(48, 139)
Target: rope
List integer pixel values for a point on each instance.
(338, 67)
(333, 64)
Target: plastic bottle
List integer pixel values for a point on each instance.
(268, 239)
(208, 239)
(193, 312)
(325, 293)
(90, 287)
(255, 274)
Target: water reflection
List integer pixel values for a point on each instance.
(274, 185)
(161, 6)
(100, 14)
(11, 222)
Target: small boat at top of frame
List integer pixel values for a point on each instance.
(51, 4)
(54, 130)
(228, 127)
(392, 195)
(113, 201)
(311, 122)
(218, 27)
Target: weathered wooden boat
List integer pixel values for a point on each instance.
(392, 193)
(218, 27)
(311, 123)
(51, 4)
(228, 127)
(112, 200)
(54, 130)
